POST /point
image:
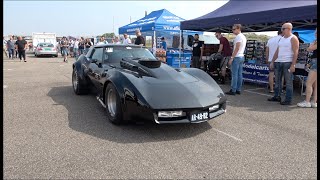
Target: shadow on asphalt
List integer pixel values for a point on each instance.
(86, 115)
(257, 100)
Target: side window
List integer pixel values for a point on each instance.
(97, 54)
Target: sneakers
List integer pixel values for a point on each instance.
(231, 93)
(285, 103)
(275, 99)
(238, 92)
(313, 104)
(304, 104)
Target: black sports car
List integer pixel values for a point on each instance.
(131, 83)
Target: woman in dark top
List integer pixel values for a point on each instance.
(81, 45)
(311, 85)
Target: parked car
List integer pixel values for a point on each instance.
(132, 84)
(46, 49)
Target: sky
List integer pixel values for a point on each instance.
(90, 18)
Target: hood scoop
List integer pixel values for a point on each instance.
(150, 63)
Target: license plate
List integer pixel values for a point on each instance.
(47, 49)
(199, 116)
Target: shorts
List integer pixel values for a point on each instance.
(224, 63)
(313, 65)
(270, 70)
(64, 52)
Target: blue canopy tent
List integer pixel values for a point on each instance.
(257, 16)
(161, 21)
(157, 24)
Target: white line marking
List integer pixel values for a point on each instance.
(5, 86)
(259, 93)
(235, 138)
(255, 88)
(61, 65)
(9, 69)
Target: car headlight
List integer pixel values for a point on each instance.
(168, 114)
(212, 108)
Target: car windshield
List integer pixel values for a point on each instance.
(46, 45)
(116, 54)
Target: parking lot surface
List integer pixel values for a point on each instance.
(49, 132)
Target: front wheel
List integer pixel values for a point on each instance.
(77, 84)
(113, 105)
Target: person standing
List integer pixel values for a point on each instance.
(116, 40)
(64, 48)
(284, 62)
(311, 85)
(297, 34)
(88, 44)
(225, 51)
(21, 46)
(4, 47)
(102, 41)
(237, 59)
(81, 46)
(10, 47)
(271, 48)
(163, 44)
(126, 39)
(197, 52)
(140, 40)
(76, 48)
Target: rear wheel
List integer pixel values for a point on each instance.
(77, 84)
(113, 105)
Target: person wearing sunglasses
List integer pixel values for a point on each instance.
(283, 63)
(237, 59)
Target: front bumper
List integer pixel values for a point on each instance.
(47, 53)
(221, 110)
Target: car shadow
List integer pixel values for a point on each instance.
(86, 115)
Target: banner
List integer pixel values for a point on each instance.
(256, 73)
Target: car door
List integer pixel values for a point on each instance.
(95, 68)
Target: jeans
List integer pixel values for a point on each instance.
(236, 71)
(81, 51)
(11, 53)
(86, 50)
(313, 65)
(281, 69)
(75, 53)
(196, 62)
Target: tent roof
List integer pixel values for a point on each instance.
(156, 20)
(257, 16)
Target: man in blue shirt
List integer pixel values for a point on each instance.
(163, 44)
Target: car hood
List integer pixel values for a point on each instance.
(172, 89)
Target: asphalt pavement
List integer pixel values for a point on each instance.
(51, 133)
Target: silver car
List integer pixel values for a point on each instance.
(46, 49)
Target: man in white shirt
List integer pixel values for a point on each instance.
(102, 41)
(271, 48)
(126, 39)
(237, 59)
(284, 63)
(76, 48)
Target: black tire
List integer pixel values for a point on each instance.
(78, 86)
(114, 115)
(55, 55)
